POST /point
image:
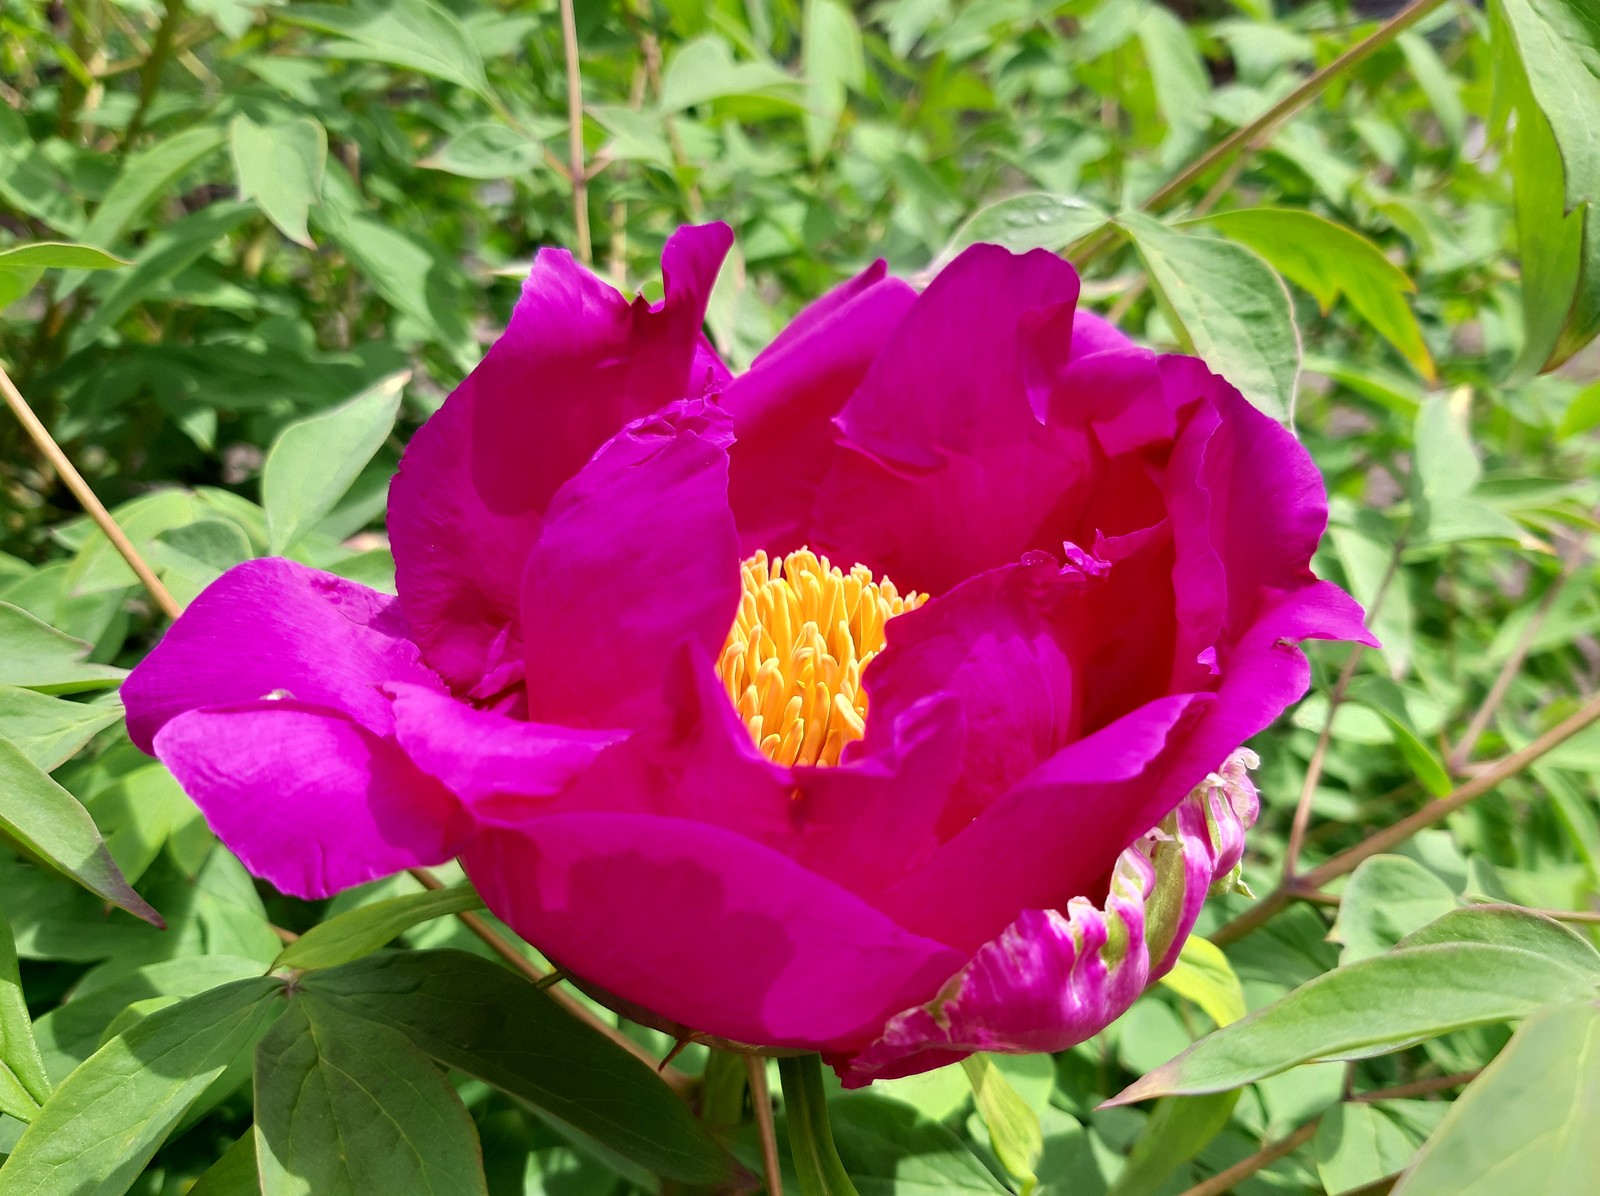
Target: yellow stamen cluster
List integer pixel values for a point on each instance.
(793, 661)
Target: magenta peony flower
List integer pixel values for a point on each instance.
(885, 700)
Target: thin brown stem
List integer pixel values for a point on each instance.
(46, 443)
(761, 1102)
(1391, 836)
(1462, 752)
(580, 182)
(1269, 1154)
(1417, 1087)
(1262, 126)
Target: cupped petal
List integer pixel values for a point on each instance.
(638, 557)
(783, 406)
(308, 798)
(1051, 978)
(496, 765)
(276, 627)
(577, 362)
(705, 927)
(1093, 333)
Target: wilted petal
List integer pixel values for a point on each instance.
(308, 798)
(1052, 979)
(577, 362)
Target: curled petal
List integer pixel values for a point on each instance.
(274, 627)
(577, 361)
(1052, 979)
(308, 798)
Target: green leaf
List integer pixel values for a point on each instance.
(1511, 927)
(24, 1084)
(316, 459)
(1547, 63)
(1380, 1004)
(363, 930)
(1182, 84)
(1582, 413)
(1438, 83)
(478, 1018)
(280, 167)
(50, 731)
(1330, 260)
(1384, 696)
(234, 1174)
(413, 34)
(1358, 1144)
(1204, 976)
(805, 1109)
(37, 656)
(488, 150)
(1031, 220)
(48, 823)
(1228, 306)
(832, 60)
(173, 249)
(102, 1125)
(887, 1147)
(1445, 474)
(346, 1106)
(704, 70)
(144, 177)
(1529, 1123)
(58, 255)
(1179, 1128)
(1014, 1129)
(1387, 898)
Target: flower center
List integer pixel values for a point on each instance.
(794, 658)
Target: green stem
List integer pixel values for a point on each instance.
(805, 1105)
(1246, 135)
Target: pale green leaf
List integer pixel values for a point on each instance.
(363, 930)
(280, 167)
(1014, 1130)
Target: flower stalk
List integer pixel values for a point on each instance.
(805, 1103)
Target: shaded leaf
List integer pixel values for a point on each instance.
(1014, 1129)
(363, 930)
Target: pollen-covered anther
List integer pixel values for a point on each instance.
(792, 665)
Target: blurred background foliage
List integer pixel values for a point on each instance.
(308, 220)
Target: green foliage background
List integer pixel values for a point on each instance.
(304, 222)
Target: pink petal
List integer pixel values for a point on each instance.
(638, 557)
(784, 405)
(705, 927)
(486, 759)
(1096, 334)
(275, 627)
(308, 798)
(576, 363)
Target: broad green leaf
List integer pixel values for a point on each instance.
(1179, 1128)
(1330, 260)
(1228, 306)
(704, 69)
(1511, 927)
(48, 823)
(1368, 1008)
(37, 656)
(1547, 61)
(1387, 898)
(24, 1084)
(315, 460)
(1014, 1129)
(831, 58)
(1031, 220)
(104, 1122)
(1384, 696)
(346, 1106)
(1182, 86)
(888, 1147)
(479, 1018)
(1446, 472)
(98, 566)
(280, 166)
(1204, 976)
(363, 930)
(1582, 413)
(50, 731)
(416, 35)
(171, 250)
(1529, 1123)
(1358, 1144)
(58, 255)
(193, 555)
(234, 1174)
(488, 150)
